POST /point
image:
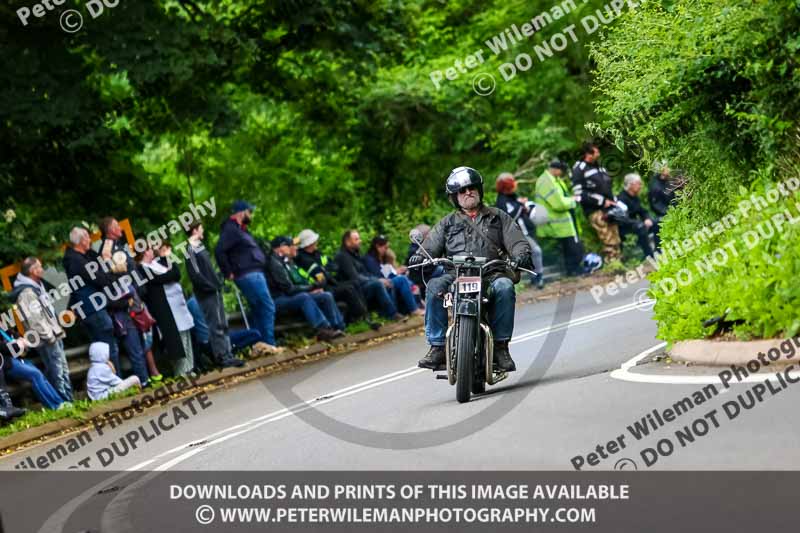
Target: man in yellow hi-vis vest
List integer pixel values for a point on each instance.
(554, 195)
(317, 268)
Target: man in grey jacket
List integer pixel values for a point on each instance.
(38, 315)
(481, 231)
(207, 285)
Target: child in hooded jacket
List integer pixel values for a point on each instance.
(101, 380)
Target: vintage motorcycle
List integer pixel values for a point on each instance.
(469, 344)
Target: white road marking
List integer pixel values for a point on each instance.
(341, 393)
(578, 321)
(623, 373)
(255, 423)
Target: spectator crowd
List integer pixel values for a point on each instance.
(153, 323)
(156, 326)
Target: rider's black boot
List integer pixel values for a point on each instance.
(502, 358)
(434, 359)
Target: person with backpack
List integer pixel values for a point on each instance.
(520, 210)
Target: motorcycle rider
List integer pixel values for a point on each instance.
(478, 230)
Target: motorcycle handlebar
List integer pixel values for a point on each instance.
(495, 261)
(437, 261)
(441, 260)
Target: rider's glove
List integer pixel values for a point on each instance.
(524, 261)
(416, 259)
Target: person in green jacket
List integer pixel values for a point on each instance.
(554, 195)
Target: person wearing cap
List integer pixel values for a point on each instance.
(520, 209)
(350, 267)
(554, 196)
(292, 295)
(315, 267)
(241, 260)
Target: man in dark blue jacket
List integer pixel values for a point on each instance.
(241, 259)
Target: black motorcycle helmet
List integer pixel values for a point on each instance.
(462, 177)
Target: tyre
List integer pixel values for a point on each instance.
(465, 355)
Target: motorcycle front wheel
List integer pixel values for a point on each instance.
(465, 355)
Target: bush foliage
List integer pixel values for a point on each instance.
(717, 83)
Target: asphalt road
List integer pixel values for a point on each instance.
(373, 410)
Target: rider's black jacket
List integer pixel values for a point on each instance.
(454, 235)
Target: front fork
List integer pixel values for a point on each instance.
(449, 342)
(488, 350)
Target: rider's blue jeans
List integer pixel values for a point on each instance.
(501, 309)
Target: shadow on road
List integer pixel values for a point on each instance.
(526, 385)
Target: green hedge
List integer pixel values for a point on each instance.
(717, 84)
